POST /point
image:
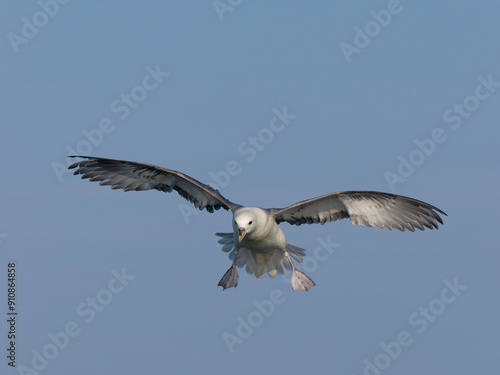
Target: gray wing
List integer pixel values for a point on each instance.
(128, 175)
(369, 208)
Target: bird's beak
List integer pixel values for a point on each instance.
(241, 234)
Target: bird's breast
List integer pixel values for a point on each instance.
(271, 241)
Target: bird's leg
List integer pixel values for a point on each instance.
(299, 280)
(230, 278)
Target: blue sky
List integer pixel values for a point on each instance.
(392, 96)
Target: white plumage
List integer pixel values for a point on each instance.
(257, 242)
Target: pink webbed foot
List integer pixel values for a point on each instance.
(300, 281)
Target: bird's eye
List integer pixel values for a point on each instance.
(250, 222)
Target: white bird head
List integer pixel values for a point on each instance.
(248, 221)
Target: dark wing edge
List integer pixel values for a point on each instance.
(368, 208)
(134, 176)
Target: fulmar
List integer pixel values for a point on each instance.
(257, 241)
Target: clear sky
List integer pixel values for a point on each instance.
(273, 102)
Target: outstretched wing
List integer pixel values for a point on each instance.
(128, 175)
(369, 208)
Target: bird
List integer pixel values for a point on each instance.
(257, 241)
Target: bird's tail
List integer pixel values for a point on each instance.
(258, 264)
(295, 251)
(227, 241)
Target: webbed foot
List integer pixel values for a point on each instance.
(230, 278)
(300, 281)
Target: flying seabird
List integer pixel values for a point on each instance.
(257, 241)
